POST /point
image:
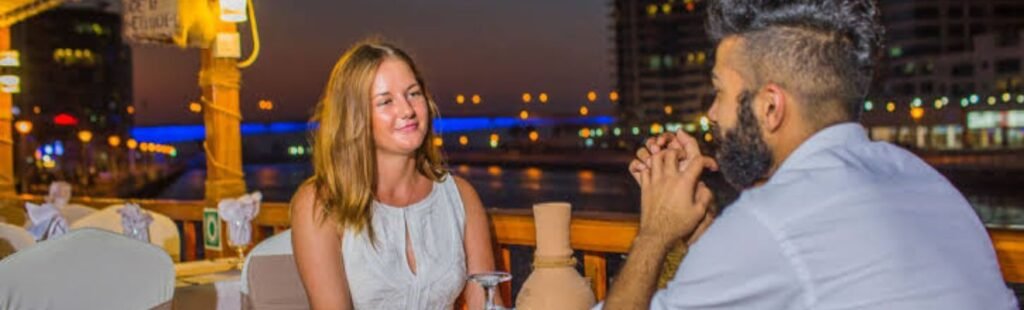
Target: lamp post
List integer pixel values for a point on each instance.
(114, 141)
(85, 136)
(23, 127)
(131, 144)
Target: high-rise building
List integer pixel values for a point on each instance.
(76, 74)
(948, 64)
(662, 61)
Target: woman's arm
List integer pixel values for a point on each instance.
(479, 254)
(317, 245)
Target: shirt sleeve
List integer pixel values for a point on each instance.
(739, 263)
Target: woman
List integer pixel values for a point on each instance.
(382, 224)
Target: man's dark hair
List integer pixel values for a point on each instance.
(823, 51)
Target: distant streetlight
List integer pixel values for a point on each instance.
(476, 99)
(613, 96)
(524, 114)
(494, 140)
(114, 141)
(668, 110)
(584, 111)
(527, 98)
(917, 113)
(543, 97)
(85, 136)
(130, 110)
(463, 140)
(131, 144)
(534, 136)
(266, 105)
(438, 142)
(592, 96)
(460, 99)
(23, 126)
(195, 107)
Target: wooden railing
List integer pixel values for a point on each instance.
(593, 233)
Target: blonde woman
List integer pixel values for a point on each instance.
(382, 224)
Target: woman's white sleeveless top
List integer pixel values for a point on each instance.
(379, 276)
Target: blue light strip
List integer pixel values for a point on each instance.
(192, 133)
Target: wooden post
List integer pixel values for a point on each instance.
(220, 81)
(6, 129)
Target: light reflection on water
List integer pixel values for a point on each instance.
(522, 187)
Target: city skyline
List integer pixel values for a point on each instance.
(497, 50)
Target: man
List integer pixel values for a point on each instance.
(827, 219)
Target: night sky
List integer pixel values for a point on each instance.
(498, 49)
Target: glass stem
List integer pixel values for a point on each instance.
(490, 298)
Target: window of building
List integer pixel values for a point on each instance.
(927, 87)
(955, 30)
(926, 13)
(1008, 66)
(926, 31)
(956, 12)
(977, 11)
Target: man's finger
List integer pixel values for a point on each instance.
(642, 153)
(704, 195)
(657, 164)
(671, 161)
(652, 145)
(692, 173)
(637, 168)
(688, 144)
(646, 175)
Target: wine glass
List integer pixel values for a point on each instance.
(489, 280)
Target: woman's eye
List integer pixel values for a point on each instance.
(385, 102)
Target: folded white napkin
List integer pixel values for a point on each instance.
(238, 213)
(135, 222)
(59, 195)
(46, 221)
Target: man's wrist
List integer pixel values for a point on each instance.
(662, 242)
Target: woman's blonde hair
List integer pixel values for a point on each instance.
(344, 153)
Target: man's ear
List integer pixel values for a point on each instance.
(773, 107)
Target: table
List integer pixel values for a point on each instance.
(209, 284)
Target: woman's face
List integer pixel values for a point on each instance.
(399, 108)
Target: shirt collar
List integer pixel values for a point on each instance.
(832, 136)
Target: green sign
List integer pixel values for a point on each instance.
(211, 229)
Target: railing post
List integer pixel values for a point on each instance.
(220, 81)
(596, 268)
(6, 138)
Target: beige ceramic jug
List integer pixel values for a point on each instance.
(554, 282)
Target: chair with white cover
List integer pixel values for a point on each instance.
(14, 238)
(87, 269)
(74, 212)
(60, 196)
(270, 279)
(162, 232)
(14, 215)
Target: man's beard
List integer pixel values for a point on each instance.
(743, 155)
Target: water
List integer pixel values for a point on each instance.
(587, 190)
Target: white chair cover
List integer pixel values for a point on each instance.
(74, 212)
(87, 269)
(162, 232)
(16, 237)
(270, 279)
(46, 221)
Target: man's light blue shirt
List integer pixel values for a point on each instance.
(845, 223)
